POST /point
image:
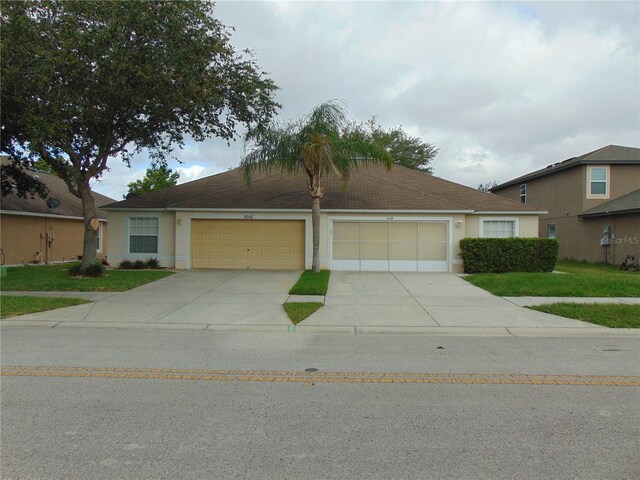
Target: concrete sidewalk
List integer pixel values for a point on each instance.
(356, 303)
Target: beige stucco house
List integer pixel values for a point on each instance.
(398, 220)
(33, 232)
(593, 203)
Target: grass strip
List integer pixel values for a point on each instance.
(47, 278)
(612, 315)
(12, 306)
(298, 311)
(311, 283)
(579, 280)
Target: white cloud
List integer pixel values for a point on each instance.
(501, 88)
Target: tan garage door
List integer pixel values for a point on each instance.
(390, 246)
(259, 244)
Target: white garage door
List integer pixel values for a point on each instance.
(390, 246)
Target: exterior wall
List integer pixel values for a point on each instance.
(564, 196)
(175, 228)
(118, 237)
(22, 236)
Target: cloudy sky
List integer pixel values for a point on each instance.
(501, 88)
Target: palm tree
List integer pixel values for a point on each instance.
(313, 144)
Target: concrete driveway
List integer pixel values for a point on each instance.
(357, 302)
(380, 300)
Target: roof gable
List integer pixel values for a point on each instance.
(70, 205)
(609, 155)
(368, 188)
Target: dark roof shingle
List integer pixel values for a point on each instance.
(609, 155)
(629, 203)
(70, 205)
(369, 188)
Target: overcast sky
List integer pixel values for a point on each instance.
(501, 88)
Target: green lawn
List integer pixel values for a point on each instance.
(12, 306)
(56, 278)
(608, 315)
(311, 283)
(298, 311)
(580, 280)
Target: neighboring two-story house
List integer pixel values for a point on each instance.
(593, 202)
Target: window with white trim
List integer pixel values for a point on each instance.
(598, 181)
(523, 193)
(143, 235)
(99, 239)
(551, 230)
(498, 228)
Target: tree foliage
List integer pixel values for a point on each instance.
(157, 177)
(486, 187)
(408, 151)
(316, 145)
(85, 82)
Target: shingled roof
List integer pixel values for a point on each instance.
(609, 155)
(70, 205)
(369, 188)
(624, 205)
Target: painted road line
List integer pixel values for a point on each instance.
(316, 377)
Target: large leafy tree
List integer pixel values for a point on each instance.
(408, 151)
(314, 145)
(86, 82)
(157, 177)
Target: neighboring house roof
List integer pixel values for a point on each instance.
(70, 205)
(369, 188)
(626, 204)
(609, 155)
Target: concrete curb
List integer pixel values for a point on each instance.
(593, 332)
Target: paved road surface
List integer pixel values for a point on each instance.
(150, 404)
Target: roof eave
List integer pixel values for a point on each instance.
(609, 214)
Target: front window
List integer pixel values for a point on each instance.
(598, 182)
(523, 193)
(99, 239)
(143, 235)
(499, 228)
(551, 230)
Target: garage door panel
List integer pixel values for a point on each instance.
(403, 251)
(374, 251)
(432, 251)
(432, 231)
(375, 232)
(263, 244)
(396, 246)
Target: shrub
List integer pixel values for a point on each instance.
(153, 263)
(138, 265)
(96, 270)
(75, 271)
(126, 264)
(497, 255)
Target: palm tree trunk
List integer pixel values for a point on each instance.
(315, 223)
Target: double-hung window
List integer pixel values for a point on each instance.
(99, 239)
(498, 228)
(598, 186)
(551, 230)
(523, 193)
(143, 235)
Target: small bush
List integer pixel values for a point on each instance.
(498, 255)
(153, 263)
(76, 271)
(138, 265)
(126, 264)
(95, 271)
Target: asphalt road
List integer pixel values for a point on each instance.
(137, 405)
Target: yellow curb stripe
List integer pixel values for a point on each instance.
(317, 377)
